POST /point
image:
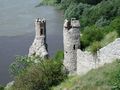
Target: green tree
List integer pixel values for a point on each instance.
(91, 34)
(115, 25)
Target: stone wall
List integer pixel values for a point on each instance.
(71, 34)
(86, 61)
(110, 52)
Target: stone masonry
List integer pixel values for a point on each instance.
(39, 46)
(75, 60)
(80, 62)
(107, 54)
(71, 34)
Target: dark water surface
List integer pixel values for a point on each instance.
(17, 30)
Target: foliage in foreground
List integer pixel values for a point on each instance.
(103, 78)
(34, 73)
(20, 64)
(40, 76)
(1, 87)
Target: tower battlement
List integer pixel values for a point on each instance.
(73, 23)
(40, 21)
(40, 27)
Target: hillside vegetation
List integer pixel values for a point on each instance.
(1, 87)
(34, 73)
(49, 75)
(99, 19)
(103, 78)
(100, 25)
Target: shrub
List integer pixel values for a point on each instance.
(40, 76)
(93, 2)
(75, 10)
(49, 2)
(110, 37)
(1, 87)
(102, 22)
(107, 10)
(95, 47)
(59, 55)
(20, 64)
(115, 25)
(91, 34)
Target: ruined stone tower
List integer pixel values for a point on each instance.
(39, 46)
(71, 34)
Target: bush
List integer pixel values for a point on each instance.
(91, 34)
(75, 10)
(102, 22)
(49, 2)
(1, 87)
(20, 64)
(110, 37)
(59, 55)
(106, 10)
(95, 47)
(115, 25)
(93, 2)
(40, 76)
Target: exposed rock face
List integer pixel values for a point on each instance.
(39, 46)
(107, 54)
(71, 40)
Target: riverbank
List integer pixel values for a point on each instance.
(17, 31)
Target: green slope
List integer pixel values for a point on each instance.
(103, 78)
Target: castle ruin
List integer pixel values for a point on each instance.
(80, 62)
(71, 34)
(39, 46)
(75, 60)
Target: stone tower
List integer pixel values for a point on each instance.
(39, 46)
(71, 34)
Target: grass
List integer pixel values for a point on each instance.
(103, 78)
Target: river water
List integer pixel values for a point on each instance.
(17, 31)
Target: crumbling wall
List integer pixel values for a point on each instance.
(86, 61)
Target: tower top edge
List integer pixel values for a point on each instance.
(40, 20)
(73, 23)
